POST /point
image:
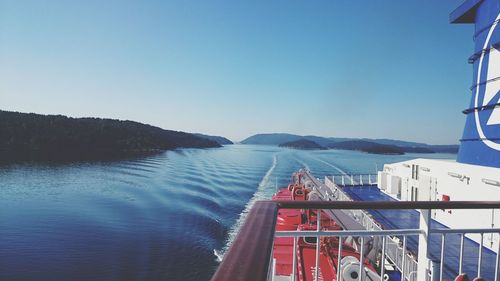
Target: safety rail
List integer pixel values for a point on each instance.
(396, 253)
(250, 256)
(354, 179)
(443, 232)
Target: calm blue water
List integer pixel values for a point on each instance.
(165, 217)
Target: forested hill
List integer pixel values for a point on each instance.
(24, 135)
(302, 144)
(352, 143)
(220, 140)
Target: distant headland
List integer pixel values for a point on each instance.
(303, 144)
(32, 137)
(220, 140)
(29, 136)
(376, 146)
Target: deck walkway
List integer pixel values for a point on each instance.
(406, 219)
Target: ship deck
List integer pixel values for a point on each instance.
(409, 219)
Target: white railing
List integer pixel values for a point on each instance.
(462, 232)
(408, 271)
(395, 251)
(251, 258)
(354, 179)
(393, 245)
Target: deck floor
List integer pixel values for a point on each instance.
(408, 219)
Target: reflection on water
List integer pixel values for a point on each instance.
(157, 218)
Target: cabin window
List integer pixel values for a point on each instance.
(414, 172)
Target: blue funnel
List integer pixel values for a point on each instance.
(480, 144)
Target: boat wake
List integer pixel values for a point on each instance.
(219, 255)
(264, 191)
(333, 166)
(302, 163)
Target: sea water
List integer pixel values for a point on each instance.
(170, 216)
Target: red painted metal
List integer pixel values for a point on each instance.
(249, 256)
(305, 251)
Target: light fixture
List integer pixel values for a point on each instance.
(455, 175)
(491, 182)
(460, 177)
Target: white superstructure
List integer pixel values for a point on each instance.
(445, 180)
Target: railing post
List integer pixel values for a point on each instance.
(339, 265)
(441, 260)
(461, 260)
(272, 270)
(403, 262)
(480, 258)
(362, 259)
(497, 259)
(294, 261)
(424, 262)
(318, 222)
(382, 261)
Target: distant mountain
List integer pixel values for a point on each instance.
(352, 145)
(302, 144)
(369, 147)
(279, 138)
(52, 137)
(412, 149)
(453, 148)
(218, 139)
(271, 139)
(325, 141)
(356, 144)
(396, 142)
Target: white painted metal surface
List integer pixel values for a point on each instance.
(444, 179)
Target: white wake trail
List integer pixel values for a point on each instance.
(265, 186)
(333, 166)
(302, 163)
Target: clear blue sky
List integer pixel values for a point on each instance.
(379, 69)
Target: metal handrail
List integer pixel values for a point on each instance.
(386, 205)
(250, 255)
(354, 179)
(248, 258)
(394, 252)
(465, 230)
(344, 233)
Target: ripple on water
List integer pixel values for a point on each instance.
(154, 218)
